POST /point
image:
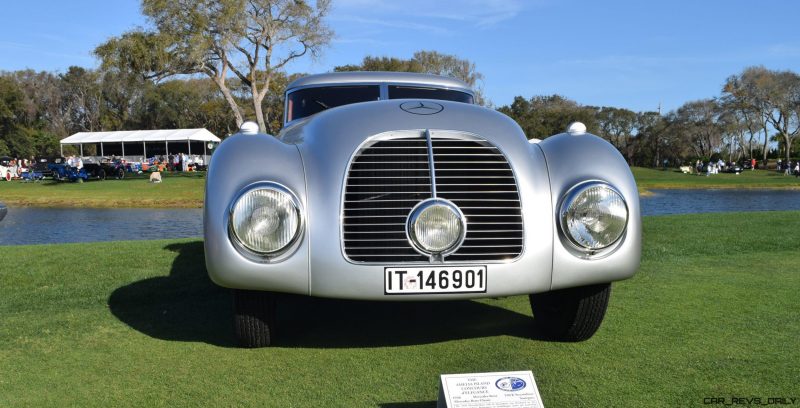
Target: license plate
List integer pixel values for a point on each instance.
(408, 280)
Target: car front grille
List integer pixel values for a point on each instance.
(387, 178)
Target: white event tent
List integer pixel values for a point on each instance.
(140, 142)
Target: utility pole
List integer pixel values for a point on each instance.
(658, 141)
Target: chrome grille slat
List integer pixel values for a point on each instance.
(387, 178)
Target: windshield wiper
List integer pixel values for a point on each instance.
(320, 103)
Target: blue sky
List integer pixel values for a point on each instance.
(632, 54)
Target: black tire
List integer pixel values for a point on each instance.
(254, 317)
(120, 174)
(101, 174)
(572, 314)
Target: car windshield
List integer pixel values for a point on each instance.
(416, 92)
(306, 102)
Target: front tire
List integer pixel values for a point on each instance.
(254, 317)
(572, 314)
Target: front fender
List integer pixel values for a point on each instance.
(572, 159)
(241, 160)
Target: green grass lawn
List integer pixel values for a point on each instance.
(648, 179)
(178, 190)
(712, 312)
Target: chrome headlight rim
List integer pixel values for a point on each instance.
(278, 254)
(564, 205)
(417, 210)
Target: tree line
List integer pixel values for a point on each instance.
(755, 116)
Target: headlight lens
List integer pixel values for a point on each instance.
(436, 226)
(266, 219)
(594, 216)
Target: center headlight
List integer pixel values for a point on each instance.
(593, 216)
(266, 219)
(436, 227)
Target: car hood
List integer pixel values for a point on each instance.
(348, 126)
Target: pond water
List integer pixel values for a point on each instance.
(57, 225)
(664, 202)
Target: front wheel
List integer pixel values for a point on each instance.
(120, 174)
(254, 317)
(572, 314)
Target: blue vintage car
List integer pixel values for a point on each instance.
(64, 172)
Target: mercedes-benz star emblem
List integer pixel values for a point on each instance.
(421, 107)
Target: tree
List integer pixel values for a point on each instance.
(427, 62)
(11, 107)
(698, 125)
(82, 91)
(182, 104)
(747, 94)
(783, 92)
(655, 142)
(252, 39)
(618, 126)
(543, 116)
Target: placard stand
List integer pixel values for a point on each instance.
(510, 389)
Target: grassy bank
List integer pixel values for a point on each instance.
(648, 179)
(712, 312)
(178, 190)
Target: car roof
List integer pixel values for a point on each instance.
(377, 77)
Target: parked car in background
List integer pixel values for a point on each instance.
(113, 167)
(63, 172)
(397, 186)
(95, 171)
(8, 168)
(733, 168)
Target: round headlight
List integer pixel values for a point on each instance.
(265, 219)
(594, 216)
(436, 226)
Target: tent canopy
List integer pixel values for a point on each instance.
(200, 135)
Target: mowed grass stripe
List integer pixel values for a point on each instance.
(712, 312)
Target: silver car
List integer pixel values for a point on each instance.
(396, 186)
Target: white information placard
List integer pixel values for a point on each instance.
(510, 389)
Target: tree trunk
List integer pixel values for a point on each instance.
(259, 111)
(766, 141)
(231, 101)
(258, 99)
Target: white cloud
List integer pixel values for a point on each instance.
(477, 13)
(405, 25)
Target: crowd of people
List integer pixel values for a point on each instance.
(177, 162)
(788, 168)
